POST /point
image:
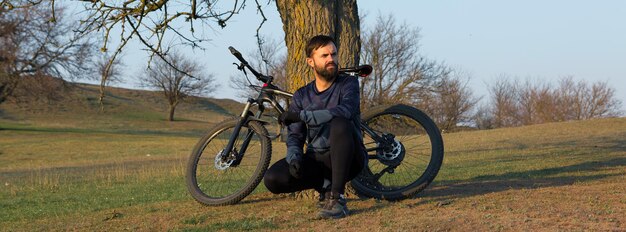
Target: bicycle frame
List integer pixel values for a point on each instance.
(268, 95)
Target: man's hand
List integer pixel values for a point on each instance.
(289, 117)
(295, 164)
(295, 167)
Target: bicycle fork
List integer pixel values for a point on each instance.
(243, 119)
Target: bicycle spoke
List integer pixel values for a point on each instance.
(217, 183)
(419, 145)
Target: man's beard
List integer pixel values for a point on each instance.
(324, 73)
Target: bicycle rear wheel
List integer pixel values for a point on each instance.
(213, 176)
(412, 160)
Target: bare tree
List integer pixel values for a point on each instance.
(176, 85)
(576, 101)
(538, 102)
(109, 70)
(400, 74)
(535, 102)
(453, 103)
(44, 89)
(32, 45)
(112, 73)
(504, 99)
(483, 117)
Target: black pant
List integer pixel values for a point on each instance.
(340, 164)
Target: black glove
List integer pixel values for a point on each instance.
(294, 159)
(289, 117)
(295, 167)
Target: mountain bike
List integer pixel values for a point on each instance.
(404, 146)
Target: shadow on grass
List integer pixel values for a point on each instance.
(532, 179)
(612, 143)
(96, 92)
(212, 106)
(184, 120)
(376, 207)
(257, 198)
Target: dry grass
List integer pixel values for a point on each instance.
(74, 174)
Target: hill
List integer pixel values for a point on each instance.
(77, 107)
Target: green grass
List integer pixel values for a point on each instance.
(246, 224)
(195, 220)
(58, 196)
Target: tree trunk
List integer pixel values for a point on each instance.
(305, 19)
(171, 111)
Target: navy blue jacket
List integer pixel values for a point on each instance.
(316, 109)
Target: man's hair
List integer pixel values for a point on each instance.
(317, 42)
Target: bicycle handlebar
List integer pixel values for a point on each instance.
(261, 77)
(237, 54)
(363, 70)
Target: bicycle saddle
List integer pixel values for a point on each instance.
(362, 70)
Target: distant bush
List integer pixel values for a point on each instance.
(514, 104)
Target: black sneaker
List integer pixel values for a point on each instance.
(323, 200)
(336, 207)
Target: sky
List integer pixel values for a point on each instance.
(540, 40)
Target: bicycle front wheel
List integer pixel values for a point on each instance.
(215, 177)
(405, 158)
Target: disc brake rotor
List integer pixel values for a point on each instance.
(222, 163)
(392, 156)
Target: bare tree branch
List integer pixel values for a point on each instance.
(31, 44)
(153, 23)
(400, 74)
(270, 60)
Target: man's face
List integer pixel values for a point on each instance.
(324, 61)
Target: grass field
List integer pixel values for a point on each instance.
(116, 172)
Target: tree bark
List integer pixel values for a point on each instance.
(305, 19)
